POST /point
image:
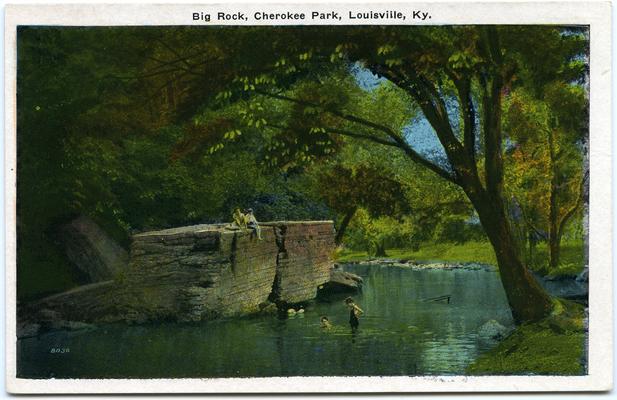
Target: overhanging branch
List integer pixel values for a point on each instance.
(396, 140)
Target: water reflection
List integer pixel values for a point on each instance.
(399, 334)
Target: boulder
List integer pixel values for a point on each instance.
(566, 287)
(341, 282)
(92, 251)
(492, 330)
(304, 258)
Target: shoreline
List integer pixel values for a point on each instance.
(422, 265)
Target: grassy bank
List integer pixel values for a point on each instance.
(552, 346)
(468, 252)
(480, 252)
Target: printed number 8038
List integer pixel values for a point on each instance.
(59, 350)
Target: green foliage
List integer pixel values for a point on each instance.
(346, 189)
(457, 229)
(566, 269)
(544, 166)
(366, 233)
(572, 259)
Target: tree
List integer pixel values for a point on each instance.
(468, 69)
(294, 85)
(95, 140)
(345, 190)
(545, 163)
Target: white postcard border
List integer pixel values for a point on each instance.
(595, 14)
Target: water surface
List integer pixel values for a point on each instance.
(399, 334)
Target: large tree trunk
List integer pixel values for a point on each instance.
(338, 239)
(527, 299)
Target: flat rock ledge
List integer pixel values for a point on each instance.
(341, 282)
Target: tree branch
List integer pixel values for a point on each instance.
(463, 87)
(345, 116)
(371, 138)
(398, 141)
(433, 108)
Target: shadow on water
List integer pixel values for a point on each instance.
(399, 334)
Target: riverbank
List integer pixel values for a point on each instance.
(552, 346)
(572, 255)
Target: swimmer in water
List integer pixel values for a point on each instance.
(325, 323)
(354, 313)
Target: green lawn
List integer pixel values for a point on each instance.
(481, 252)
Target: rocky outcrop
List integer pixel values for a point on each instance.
(203, 272)
(91, 250)
(304, 259)
(341, 282)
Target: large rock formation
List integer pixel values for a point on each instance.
(203, 272)
(304, 259)
(91, 250)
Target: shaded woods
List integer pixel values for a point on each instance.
(405, 136)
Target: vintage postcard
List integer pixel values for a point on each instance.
(371, 197)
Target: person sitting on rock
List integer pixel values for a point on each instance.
(239, 219)
(252, 223)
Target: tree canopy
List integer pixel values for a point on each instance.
(145, 127)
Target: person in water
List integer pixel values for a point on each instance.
(324, 322)
(252, 223)
(354, 313)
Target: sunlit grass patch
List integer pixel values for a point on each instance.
(480, 252)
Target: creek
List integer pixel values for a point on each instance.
(400, 334)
